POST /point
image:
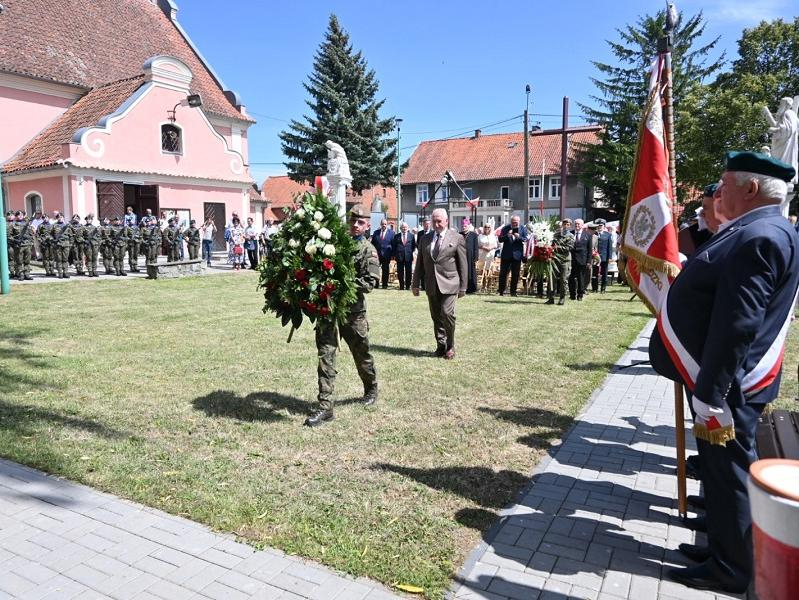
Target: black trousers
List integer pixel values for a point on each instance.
(724, 471)
(514, 266)
(252, 255)
(404, 271)
(577, 281)
(603, 275)
(384, 264)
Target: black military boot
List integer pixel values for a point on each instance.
(320, 417)
(550, 301)
(562, 301)
(370, 396)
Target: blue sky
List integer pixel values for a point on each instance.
(444, 67)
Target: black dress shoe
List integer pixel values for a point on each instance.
(701, 577)
(695, 552)
(370, 396)
(562, 301)
(692, 467)
(319, 418)
(696, 501)
(550, 301)
(696, 523)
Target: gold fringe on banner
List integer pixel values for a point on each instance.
(717, 437)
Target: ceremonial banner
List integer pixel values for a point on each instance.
(649, 239)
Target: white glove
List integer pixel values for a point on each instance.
(705, 411)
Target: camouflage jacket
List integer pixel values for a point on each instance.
(45, 233)
(91, 236)
(367, 272)
(63, 235)
(562, 244)
(151, 235)
(192, 236)
(23, 234)
(118, 236)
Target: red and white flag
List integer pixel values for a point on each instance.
(474, 202)
(649, 239)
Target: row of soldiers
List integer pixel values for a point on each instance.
(84, 243)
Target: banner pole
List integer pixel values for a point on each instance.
(664, 48)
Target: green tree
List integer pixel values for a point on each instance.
(622, 91)
(342, 92)
(728, 111)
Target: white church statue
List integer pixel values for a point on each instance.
(784, 127)
(339, 176)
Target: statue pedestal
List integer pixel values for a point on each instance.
(338, 193)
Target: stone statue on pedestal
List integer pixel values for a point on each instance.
(339, 176)
(784, 142)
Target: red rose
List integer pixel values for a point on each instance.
(300, 274)
(324, 311)
(330, 287)
(324, 294)
(327, 264)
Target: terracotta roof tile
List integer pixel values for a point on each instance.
(497, 156)
(281, 191)
(89, 43)
(45, 149)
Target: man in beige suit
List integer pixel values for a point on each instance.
(441, 265)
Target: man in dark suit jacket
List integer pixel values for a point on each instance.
(441, 264)
(605, 249)
(426, 228)
(581, 257)
(404, 245)
(382, 240)
(721, 331)
(512, 237)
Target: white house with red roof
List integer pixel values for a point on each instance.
(491, 168)
(106, 104)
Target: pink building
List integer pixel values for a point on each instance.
(97, 112)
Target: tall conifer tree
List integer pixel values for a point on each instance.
(342, 89)
(623, 89)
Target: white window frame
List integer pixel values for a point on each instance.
(535, 184)
(31, 210)
(554, 182)
(422, 193)
(182, 139)
(468, 194)
(442, 195)
(507, 195)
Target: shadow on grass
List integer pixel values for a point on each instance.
(590, 366)
(23, 418)
(396, 351)
(548, 424)
(266, 407)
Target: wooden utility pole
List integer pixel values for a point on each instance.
(564, 156)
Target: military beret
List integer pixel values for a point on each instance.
(18, 213)
(600, 221)
(360, 211)
(710, 190)
(761, 164)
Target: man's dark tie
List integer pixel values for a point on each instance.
(436, 247)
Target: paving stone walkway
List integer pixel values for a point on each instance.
(599, 519)
(59, 540)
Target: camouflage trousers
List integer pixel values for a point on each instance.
(91, 251)
(152, 254)
(133, 256)
(194, 250)
(356, 333)
(22, 260)
(119, 258)
(107, 252)
(77, 248)
(560, 279)
(48, 258)
(62, 259)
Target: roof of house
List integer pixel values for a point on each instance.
(90, 43)
(45, 149)
(281, 191)
(496, 156)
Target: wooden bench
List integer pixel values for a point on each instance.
(778, 435)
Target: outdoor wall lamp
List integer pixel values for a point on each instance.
(192, 101)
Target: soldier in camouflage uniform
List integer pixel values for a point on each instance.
(23, 244)
(11, 223)
(151, 239)
(562, 242)
(355, 330)
(91, 245)
(192, 237)
(119, 243)
(63, 237)
(77, 244)
(106, 246)
(45, 235)
(173, 240)
(134, 240)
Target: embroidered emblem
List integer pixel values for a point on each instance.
(643, 226)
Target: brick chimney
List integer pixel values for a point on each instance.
(476, 133)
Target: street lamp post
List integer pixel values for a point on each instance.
(526, 191)
(399, 183)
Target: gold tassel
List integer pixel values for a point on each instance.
(717, 437)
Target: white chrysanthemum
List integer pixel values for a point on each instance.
(329, 250)
(542, 233)
(293, 243)
(300, 213)
(310, 247)
(325, 234)
(315, 225)
(318, 216)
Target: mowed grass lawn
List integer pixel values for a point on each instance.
(182, 395)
